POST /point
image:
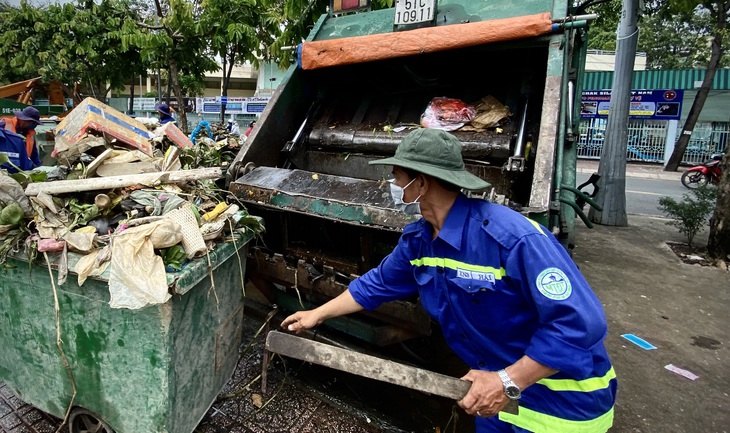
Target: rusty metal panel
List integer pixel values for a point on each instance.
(346, 199)
(330, 284)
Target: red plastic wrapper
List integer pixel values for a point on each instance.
(50, 245)
(448, 114)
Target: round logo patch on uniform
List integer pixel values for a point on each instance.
(554, 284)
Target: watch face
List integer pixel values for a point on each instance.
(512, 392)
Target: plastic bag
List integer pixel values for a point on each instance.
(448, 114)
(137, 277)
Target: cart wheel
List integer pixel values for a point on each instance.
(83, 421)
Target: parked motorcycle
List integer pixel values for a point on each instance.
(707, 172)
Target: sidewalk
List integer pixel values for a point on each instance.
(679, 308)
(639, 170)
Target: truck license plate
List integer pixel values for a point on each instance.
(414, 11)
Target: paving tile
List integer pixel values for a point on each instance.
(4, 409)
(9, 421)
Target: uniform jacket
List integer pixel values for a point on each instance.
(501, 286)
(13, 145)
(11, 124)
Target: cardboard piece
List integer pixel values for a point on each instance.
(93, 116)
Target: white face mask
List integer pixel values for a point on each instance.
(396, 192)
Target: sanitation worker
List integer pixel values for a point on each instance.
(24, 123)
(165, 114)
(509, 299)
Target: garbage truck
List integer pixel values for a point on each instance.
(361, 83)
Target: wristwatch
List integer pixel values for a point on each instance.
(511, 390)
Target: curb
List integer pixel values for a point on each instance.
(658, 175)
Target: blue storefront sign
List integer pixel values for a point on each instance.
(645, 104)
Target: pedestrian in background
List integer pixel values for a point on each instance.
(510, 301)
(250, 128)
(233, 127)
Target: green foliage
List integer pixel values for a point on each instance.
(202, 155)
(674, 34)
(79, 43)
(173, 257)
(691, 214)
(296, 18)
(602, 31)
(677, 39)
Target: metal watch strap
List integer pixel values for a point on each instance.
(505, 378)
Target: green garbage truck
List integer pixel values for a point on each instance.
(361, 83)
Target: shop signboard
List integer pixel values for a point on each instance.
(234, 105)
(645, 104)
(143, 104)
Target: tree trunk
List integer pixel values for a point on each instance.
(612, 167)
(718, 245)
(169, 84)
(699, 102)
(174, 79)
(226, 81)
(131, 95)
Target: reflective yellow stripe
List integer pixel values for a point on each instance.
(453, 264)
(537, 226)
(585, 385)
(537, 422)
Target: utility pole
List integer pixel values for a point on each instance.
(612, 168)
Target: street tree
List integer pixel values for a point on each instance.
(73, 43)
(174, 36)
(296, 19)
(675, 40)
(602, 32)
(719, 11)
(241, 30)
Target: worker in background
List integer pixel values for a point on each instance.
(510, 301)
(250, 128)
(165, 114)
(233, 127)
(203, 125)
(13, 146)
(24, 123)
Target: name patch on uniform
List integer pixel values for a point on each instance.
(554, 284)
(474, 275)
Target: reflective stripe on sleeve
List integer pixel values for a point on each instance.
(537, 422)
(585, 385)
(439, 262)
(537, 226)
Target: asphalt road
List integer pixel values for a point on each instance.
(642, 195)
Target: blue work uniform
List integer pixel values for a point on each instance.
(501, 287)
(13, 145)
(167, 119)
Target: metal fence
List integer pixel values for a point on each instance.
(647, 140)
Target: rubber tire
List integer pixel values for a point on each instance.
(694, 179)
(84, 421)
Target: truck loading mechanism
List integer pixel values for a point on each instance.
(328, 213)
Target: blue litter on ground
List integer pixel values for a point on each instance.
(639, 341)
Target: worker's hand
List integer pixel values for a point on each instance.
(302, 320)
(486, 396)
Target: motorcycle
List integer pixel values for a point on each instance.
(707, 172)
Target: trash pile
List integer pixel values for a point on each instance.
(451, 114)
(135, 202)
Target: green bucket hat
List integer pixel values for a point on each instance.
(436, 153)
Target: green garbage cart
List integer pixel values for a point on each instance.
(156, 369)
